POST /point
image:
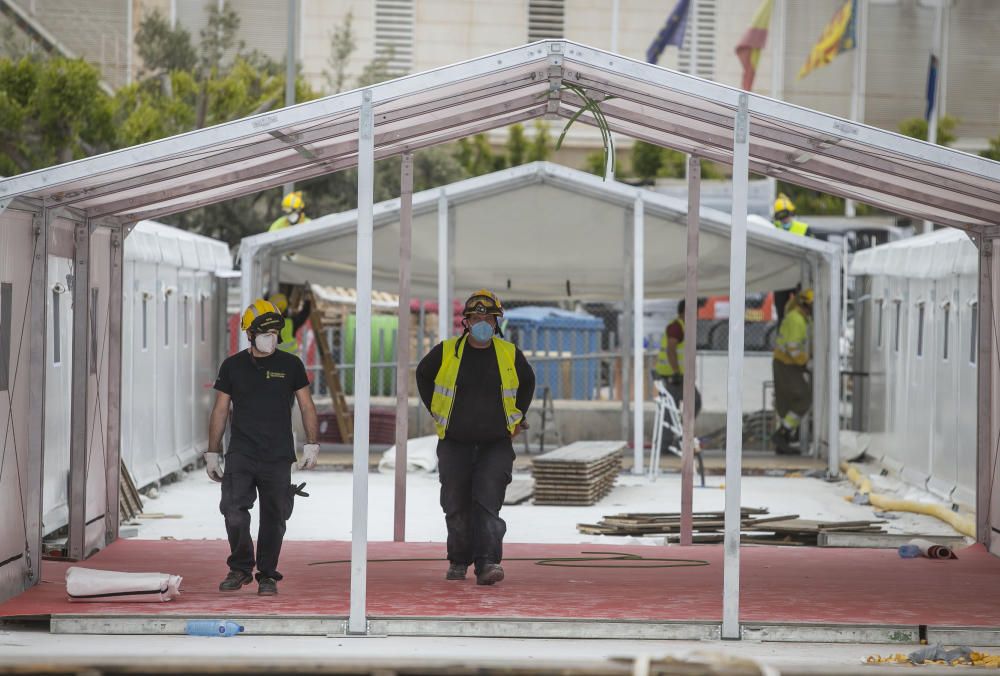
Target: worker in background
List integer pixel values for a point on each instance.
(294, 208)
(784, 218)
(478, 388)
(670, 360)
(792, 389)
(260, 383)
(292, 322)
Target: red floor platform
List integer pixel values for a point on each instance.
(779, 585)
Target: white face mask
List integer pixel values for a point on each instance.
(265, 342)
(293, 217)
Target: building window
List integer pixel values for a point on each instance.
(697, 54)
(920, 329)
(394, 35)
(6, 298)
(899, 316)
(546, 19)
(974, 333)
(878, 336)
(947, 331)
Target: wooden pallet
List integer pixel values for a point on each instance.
(578, 474)
(129, 500)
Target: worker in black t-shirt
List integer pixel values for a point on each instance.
(261, 383)
(478, 388)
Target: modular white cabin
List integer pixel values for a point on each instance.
(917, 340)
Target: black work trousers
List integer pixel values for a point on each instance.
(474, 480)
(245, 478)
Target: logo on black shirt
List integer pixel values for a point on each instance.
(273, 374)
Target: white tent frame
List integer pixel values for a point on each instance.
(699, 117)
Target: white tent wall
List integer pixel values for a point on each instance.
(20, 311)
(923, 349)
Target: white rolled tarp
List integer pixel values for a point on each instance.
(104, 586)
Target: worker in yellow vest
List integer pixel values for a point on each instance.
(784, 219)
(477, 387)
(670, 360)
(294, 208)
(292, 322)
(792, 389)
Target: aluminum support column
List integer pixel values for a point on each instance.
(833, 371)
(638, 352)
(112, 465)
(444, 302)
(625, 333)
(79, 422)
(690, 348)
(403, 346)
(38, 298)
(734, 405)
(357, 623)
(984, 418)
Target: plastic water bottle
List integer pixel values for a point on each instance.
(213, 628)
(908, 551)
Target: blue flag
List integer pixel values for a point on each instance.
(672, 32)
(932, 69)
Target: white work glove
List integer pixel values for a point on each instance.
(213, 466)
(310, 453)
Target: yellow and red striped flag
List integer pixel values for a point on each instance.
(750, 45)
(838, 36)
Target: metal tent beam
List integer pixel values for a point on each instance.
(38, 298)
(79, 419)
(357, 622)
(690, 349)
(734, 404)
(403, 346)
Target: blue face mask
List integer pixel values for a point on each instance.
(481, 331)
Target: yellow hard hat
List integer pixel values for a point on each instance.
(293, 202)
(783, 206)
(806, 296)
(483, 302)
(261, 315)
(280, 301)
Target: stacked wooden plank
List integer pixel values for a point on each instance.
(578, 474)
(756, 526)
(129, 500)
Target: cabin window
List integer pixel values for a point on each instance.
(201, 318)
(6, 298)
(145, 321)
(187, 321)
(899, 316)
(974, 333)
(920, 329)
(94, 295)
(56, 329)
(166, 320)
(878, 322)
(947, 331)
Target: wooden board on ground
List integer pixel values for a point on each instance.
(578, 474)
(518, 491)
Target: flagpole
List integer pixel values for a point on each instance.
(858, 84)
(777, 73)
(932, 122)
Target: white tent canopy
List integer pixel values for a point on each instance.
(937, 254)
(534, 232)
(545, 79)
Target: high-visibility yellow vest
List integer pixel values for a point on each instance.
(792, 345)
(446, 381)
(795, 227)
(286, 341)
(663, 367)
(282, 222)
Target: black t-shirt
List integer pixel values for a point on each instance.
(477, 415)
(263, 391)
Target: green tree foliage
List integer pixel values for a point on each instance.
(162, 48)
(342, 46)
(993, 152)
(51, 112)
(647, 160)
(916, 127)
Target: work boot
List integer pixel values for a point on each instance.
(235, 581)
(267, 586)
(456, 571)
(491, 573)
(782, 439)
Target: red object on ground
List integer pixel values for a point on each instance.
(780, 584)
(381, 427)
